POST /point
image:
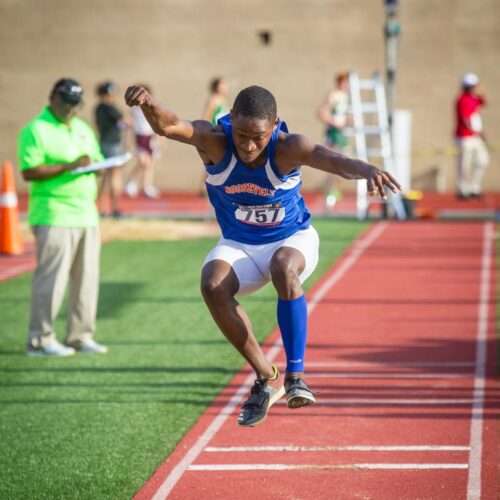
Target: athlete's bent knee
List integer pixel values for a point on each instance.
(215, 287)
(285, 274)
(212, 289)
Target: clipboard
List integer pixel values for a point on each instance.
(111, 162)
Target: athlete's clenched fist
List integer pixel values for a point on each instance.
(137, 95)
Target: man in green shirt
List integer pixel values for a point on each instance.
(65, 222)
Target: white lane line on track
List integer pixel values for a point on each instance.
(399, 364)
(239, 449)
(240, 467)
(387, 401)
(376, 375)
(476, 426)
(177, 472)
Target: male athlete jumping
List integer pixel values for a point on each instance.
(253, 180)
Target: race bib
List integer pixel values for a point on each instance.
(261, 215)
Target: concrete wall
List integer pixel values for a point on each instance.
(178, 45)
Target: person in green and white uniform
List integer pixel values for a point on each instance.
(216, 107)
(65, 221)
(333, 113)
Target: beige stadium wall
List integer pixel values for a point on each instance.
(178, 45)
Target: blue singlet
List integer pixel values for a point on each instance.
(255, 205)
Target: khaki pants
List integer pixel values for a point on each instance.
(473, 158)
(64, 253)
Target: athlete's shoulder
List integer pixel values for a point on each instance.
(213, 141)
(291, 150)
(207, 128)
(292, 143)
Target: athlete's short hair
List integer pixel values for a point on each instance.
(256, 102)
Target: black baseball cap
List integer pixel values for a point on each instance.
(69, 90)
(106, 88)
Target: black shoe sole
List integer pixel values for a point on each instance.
(254, 424)
(299, 402)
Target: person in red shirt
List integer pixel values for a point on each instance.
(473, 157)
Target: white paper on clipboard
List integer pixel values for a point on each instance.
(113, 161)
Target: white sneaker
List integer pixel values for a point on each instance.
(331, 200)
(131, 189)
(90, 346)
(54, 349)
(151, 192)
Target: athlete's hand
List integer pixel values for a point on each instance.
(378, 180)
(136, 95)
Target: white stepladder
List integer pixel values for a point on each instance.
(377, 134)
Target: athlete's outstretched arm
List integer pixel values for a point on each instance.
(165, 122)
(295, 150)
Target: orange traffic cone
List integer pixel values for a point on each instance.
(10, 236)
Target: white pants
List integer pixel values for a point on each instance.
(64, 254)
(473, 158)
(251, 263)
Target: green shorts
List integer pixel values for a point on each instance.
(335, 138)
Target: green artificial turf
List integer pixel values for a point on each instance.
(97, 426)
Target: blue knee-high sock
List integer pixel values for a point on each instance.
(292, 320)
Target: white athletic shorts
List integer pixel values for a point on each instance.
(251, 262)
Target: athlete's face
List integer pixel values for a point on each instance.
(251, 137)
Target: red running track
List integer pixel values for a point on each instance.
(402, 348)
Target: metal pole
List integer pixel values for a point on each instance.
(391, 32)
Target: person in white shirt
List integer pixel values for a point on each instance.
(148, 151)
